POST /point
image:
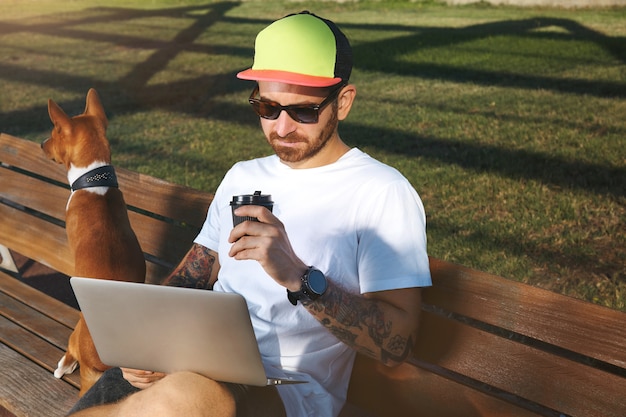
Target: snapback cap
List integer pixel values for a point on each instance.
(301, 49)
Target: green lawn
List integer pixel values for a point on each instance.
(510, 122)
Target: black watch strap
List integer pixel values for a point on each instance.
(294, 296)
(313, 286)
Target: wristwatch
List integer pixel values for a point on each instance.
(314, 285)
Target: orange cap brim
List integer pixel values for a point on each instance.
(287, 78)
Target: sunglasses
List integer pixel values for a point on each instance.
(301, 113)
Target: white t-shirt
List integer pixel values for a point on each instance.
(357, 220)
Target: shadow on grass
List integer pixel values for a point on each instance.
(196, 96)
(388, 58)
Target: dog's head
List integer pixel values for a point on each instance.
(78, 140)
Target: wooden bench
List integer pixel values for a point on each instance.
(487, 346)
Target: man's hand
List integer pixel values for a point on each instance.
(266, 241)
(141, 379)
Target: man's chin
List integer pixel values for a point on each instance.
(288, 154)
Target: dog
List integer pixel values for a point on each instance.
(98, 230)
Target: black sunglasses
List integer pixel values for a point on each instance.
(301, 113)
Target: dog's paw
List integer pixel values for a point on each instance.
(65, 366)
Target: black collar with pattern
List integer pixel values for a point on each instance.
(99, 177)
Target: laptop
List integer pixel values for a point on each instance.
(169, 329)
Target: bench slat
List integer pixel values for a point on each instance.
(27, 155)
(27, 390)
(49, 199)
(17, 228)
(39, 301)
(158, 238)
(410, 391)
(50, 330)
(34, 348)
(169, 200)
(17, 231)
(525, 377)
(174, 201)
(522, 370)
(530, 311)
(165, 241)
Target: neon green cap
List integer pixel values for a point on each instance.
(301, 49)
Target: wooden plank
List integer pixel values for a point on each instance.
(36, 239)
(166, 199)
(516, 376)
(158, 237)
(155, 274)
(28, 155)
(27, 390)
(34, 348)
(33, 321)
(530, 311)
(5, 413)
(39, 301)
(410, 391)
(174, 201)
(33, 193)
(162, 239)
(541, 377)
(47, 244)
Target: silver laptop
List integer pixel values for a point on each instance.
(170, 329)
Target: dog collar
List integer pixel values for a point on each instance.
(99, 177)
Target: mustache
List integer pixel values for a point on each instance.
(292, 137)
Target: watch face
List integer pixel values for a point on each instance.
(317, 281)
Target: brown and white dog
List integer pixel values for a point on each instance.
(98, 230)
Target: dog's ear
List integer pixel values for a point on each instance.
(94, 107)
(58, 116)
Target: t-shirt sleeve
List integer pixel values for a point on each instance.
(209, 235)
(392, 240)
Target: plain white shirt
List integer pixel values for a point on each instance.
(357, 220)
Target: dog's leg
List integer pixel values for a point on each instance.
(88, 377)
(69, 361)
(7, 261)
(66, 365)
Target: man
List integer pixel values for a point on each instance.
(335, 269)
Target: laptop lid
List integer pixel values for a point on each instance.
(168, 329)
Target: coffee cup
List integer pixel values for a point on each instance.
(256, 199)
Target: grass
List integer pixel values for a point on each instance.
(510, 122)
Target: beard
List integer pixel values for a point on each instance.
(305, 148)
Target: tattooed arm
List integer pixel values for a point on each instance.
(381, 325)
(198, 269)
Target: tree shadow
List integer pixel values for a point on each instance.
(388, 58)
(549, 169)
(198, 96)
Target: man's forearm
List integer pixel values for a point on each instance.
(195, 270)
(370, 326)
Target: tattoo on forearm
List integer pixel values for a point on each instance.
(342, 334)
(353, 315)
(378, 329)
(398, 349)
(195, 270)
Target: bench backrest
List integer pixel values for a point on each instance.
(33, 195)
(487, 346)
(492, 347)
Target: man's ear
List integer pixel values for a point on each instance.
(344, 101)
